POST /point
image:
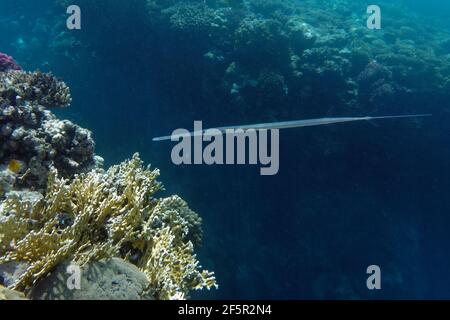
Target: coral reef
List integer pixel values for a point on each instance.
(375, 84)
(59, 206)
(226, 48)
(191, 17)
(101, 215)
(35, 87)
(319, 50)
(329, 63)
(32, 139)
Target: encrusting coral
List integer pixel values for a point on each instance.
(106, 214)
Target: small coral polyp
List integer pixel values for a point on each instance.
(59, 206)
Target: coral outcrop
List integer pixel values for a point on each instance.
(37, 88)
(59, 206)
(102, 215)
(32, 139)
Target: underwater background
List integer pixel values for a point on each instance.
(346, 196)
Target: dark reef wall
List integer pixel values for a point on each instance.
(272, 59)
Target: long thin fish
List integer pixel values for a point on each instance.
(287, 125)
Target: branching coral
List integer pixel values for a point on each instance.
(172, 268)
(100, 215)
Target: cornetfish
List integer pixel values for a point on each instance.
(283, 125)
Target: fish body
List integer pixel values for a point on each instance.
(284, 125)
(15, 166)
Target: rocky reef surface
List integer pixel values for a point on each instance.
(59, 208)
(282, 57)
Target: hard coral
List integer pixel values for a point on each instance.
(35, 87)
(193, 17)
(33, 137)
(375, 84)
(102, 215)
(260, 38)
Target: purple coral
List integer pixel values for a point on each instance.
(7, 63)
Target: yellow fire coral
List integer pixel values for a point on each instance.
(101, 215)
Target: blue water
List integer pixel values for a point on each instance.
(346, 196)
